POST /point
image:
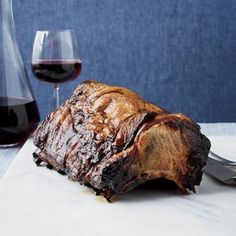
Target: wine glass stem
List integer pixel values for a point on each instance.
(56, 97)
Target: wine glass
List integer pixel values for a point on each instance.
(55, 58)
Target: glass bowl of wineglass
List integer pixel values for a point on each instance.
(55, 58)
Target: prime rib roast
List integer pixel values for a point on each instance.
(111, 140)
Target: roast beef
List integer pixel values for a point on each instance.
(111, 140)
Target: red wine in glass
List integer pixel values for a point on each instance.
(55, 58)
(19, 118)
(56, 71)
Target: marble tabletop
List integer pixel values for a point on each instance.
(35, 198)
(6, 157)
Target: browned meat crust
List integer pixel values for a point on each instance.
(110, 139)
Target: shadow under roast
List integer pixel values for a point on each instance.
(151, 190)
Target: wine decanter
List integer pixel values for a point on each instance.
(19, 114)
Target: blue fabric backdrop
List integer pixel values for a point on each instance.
(180, 54)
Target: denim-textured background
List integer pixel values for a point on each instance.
(180, 54)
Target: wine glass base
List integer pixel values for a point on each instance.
(9, 145)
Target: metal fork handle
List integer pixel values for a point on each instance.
(222, 160)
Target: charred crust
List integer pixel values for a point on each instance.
(61, 172)
(37, 161)
(108, 194)
(49, 166)
(116, 173)
(197, 159)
